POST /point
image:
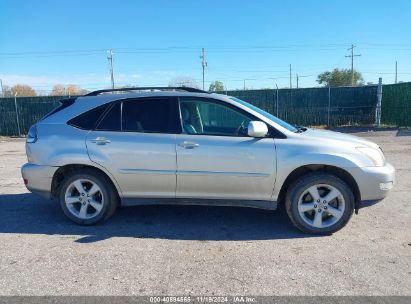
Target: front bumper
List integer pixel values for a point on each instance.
(374, 182)
(38, 178)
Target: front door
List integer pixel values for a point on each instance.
(216, 159)
(135, 142)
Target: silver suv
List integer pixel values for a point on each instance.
(186, 146)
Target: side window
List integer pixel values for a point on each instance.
(89, 119)
(206, 117)
(112, 120)
(151, 115)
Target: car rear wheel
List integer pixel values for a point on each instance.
(319, 203)
(87, 197)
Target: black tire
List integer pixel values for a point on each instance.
(302, 184)
(111, 200)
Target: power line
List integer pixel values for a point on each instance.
(234, 48)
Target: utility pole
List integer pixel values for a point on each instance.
(203, 62)
(297, 81)
(291, 86)
(352, 62)
(396, 71)
(244, 85)
(110, 61)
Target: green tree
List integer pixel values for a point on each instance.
(339, 78)
(216, 86)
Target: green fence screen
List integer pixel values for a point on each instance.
(316, 106)
(29, 109)
(396, 104)
(308, 106)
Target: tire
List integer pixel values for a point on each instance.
(98, 206)
(319, 216)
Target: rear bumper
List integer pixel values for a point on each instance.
(374, 182)
(38, 178)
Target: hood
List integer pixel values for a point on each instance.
(317, 134)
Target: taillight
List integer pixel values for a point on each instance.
(32, 135)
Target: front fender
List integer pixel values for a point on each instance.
(288, 161)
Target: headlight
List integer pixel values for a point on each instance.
(376, 156)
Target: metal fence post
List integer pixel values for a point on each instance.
(17, 113)
(378, 108)
(329, 106)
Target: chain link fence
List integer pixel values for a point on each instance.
(342, 106)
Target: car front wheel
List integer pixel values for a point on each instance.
(319, 203)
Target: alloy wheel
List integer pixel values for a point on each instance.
(84, 199)
(321, 205)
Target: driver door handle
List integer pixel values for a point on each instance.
(100, 141)
(188, 145)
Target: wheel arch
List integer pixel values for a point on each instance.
(62, 171)
(336, 171)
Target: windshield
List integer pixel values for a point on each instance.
(265, 114)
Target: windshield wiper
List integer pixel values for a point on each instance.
(300, 129)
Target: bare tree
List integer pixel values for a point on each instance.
(23, 90)
(183, 81)
(58, 90)
(7, 91)
(69, 90)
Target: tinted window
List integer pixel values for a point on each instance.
(159, 115)
(89, 119)
(112, 120)
(207, 117)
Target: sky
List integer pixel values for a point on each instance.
(251, 43)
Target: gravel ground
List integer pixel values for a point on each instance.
(180, 250)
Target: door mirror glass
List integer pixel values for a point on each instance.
(257, 129)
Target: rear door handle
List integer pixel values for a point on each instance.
(188, 145)
(100, 141)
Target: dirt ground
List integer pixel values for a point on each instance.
(180, 250)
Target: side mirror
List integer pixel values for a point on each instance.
(257, 129)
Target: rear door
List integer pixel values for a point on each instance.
(135, 141)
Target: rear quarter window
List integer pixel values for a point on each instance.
(112, 120)
(89, 119)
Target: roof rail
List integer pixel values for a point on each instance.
(187, 89)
